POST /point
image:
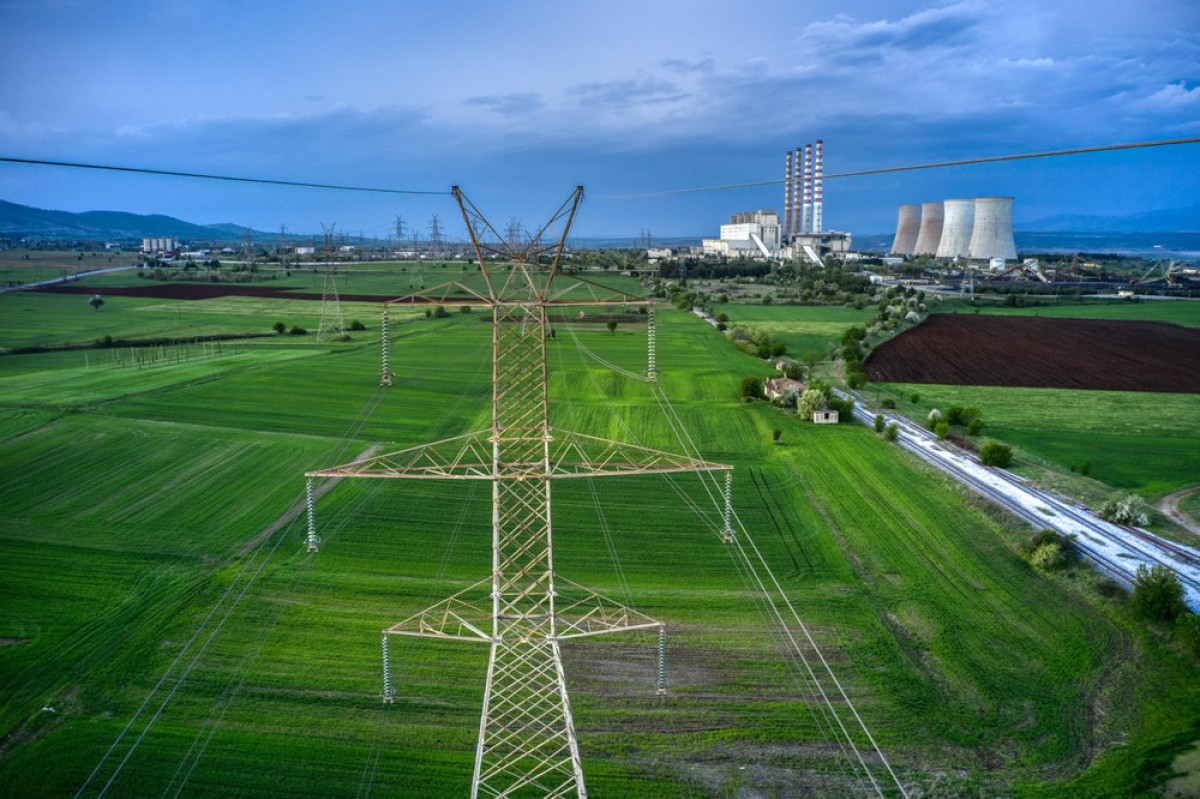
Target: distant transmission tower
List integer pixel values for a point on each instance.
(436, 248)
(527, 744)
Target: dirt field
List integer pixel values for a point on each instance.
(1042, 353)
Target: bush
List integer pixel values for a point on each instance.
(1128, 510)
(279, 327)
(931, 421)
(975, 427)
(1048, 557)
(1187, 630)
(440, 312)
(856, 379)
(914, 398)
(879, 425)
(996, 454)
(889, 404)
(298, 331)
(892, 432)
(1157, 593)
(957, 414)
(941, 429)
(750, 388)
(357, 325)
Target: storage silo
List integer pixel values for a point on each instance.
(931, 229)
(992, 234)
(907, 228)
(958, 224)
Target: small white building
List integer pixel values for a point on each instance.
(755, 234)
(825, 416)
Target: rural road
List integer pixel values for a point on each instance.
(68, 279)
(1170, 506)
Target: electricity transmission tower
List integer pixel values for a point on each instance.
(332, 324)
(435, 238)
(527, 744)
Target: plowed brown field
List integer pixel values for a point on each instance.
(1042, 353)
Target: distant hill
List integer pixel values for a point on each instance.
(1170, 220)
(24, 221)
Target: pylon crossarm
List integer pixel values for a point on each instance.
(462, 617)
(465, 457)
(579, 455)
(595, 614)
(441, 295)
(578, 284)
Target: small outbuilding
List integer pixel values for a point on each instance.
(825, 416)
(780, 387)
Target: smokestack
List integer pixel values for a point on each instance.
(907, 228)
(931, 229)
(958, 222)
(806, 216)
(796, 189)
(787, 195)
(818, 173)
(992, 236)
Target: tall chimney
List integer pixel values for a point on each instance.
(787, 195)
(818, 173)
(806, 215)
(797, 184)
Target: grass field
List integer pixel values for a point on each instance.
(802, 328)
(152, 550)
(1179, 312)
(1132, 440)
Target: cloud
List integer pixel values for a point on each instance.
(1176, 96)
(636, 91)
(509, 105)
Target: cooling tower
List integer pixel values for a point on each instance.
(958, 224)
(992, 234)
(907, 228)
(931, 229)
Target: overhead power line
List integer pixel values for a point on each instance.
(202, 176)
(934, 165)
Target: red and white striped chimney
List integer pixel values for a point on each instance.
(818, 174)
(787, 194)
(806, 216)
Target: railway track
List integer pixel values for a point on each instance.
(1117, 550)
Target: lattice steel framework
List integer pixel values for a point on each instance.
(527, 744)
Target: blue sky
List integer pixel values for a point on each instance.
(518, 102)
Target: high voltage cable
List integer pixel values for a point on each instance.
(203, 176)
(934, 165)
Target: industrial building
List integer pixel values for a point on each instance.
(160, 244)
(750, 234)
(978, 229)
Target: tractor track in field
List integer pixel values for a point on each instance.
(1171, 506)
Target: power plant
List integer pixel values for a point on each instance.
(979, 229)
(802, 199)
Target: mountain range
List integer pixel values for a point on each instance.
(22, 221)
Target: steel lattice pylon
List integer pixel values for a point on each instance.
(527, 744)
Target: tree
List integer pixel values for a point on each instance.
(811, 358)
(96, 301)
(941, 429)
(751, 388)
(996, 454)
(776, 434)
(612, 326)
(931, 421)
(891, 432)
(809, 401)
(279, 327)
(879, 425)
(1157, 593)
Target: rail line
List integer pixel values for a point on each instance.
(1117, 550)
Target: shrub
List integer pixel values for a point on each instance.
(776, 434)
(996, 454)
(750, 388)
(892, 432)
(279, 327)
(975, 427)
(464, 309)
(357, 325)
(914, 398)
(933, 418)
(1187, 630)
(856, 379)
(298, 331)
(879, 425)
(440, 312)
(1048, 557)
(941, 429)
(888, 404)
(1128, 509)
(1157, 593)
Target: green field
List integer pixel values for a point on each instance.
(153, 574)
(802, 328)
(1179, 312)
(1137, 441)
